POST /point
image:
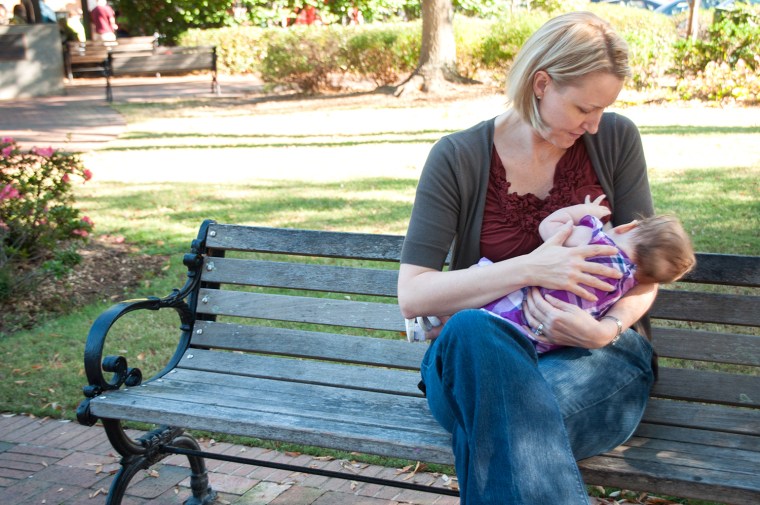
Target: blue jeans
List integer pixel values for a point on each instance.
(519, 421)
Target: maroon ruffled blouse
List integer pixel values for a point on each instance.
(510, 221)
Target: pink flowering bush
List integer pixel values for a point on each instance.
(39, 226)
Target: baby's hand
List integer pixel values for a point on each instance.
(596, 208)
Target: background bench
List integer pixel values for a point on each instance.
(295, 336)
(162, 60)
(90, 57)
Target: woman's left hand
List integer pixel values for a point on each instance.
(562, 323)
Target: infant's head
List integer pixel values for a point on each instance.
(662, 249)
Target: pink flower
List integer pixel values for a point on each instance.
(81, 233)
(7, 151)
(65, 178)
(9, 192)
(43, 151)
(7, 140)
(87, 220)
(87, 174)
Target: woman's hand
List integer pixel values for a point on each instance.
(564, 323)
(556, 267)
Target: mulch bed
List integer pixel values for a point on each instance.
(109, 269)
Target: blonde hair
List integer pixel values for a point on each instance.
(662, 249)
(568, 48)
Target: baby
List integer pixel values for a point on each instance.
(651, 250)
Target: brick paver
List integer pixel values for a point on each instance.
(40, 464)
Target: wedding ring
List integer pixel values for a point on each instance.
(539, 330)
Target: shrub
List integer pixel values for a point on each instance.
(724, 64)
(501, 44)
(239, 49)
(384, 52)
(39, 226)
(721, 82)
(307, 57)
(733, 36)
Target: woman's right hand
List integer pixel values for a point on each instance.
(553, 266)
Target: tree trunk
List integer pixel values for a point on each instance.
(438, 51)
(692, 30)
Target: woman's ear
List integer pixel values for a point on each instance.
(540, 82)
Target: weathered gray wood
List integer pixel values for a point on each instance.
(733, 460)
(369, 315)
(707, 307)
(401, 382)
(655, 476)
(126, 63)
(300, 343)
(285, 398)
(301, 276)
(698, 437)
(708, 387)
(239, 420)
(305, 242)
(710, 346)
(705, 417)
(726, 269)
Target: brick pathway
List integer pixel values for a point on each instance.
(46, 461)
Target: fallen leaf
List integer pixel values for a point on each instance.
(99, 492)
(152, 473)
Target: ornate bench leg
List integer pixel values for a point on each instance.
(202, 492)
(146, 451)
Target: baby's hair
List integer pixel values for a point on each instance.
(663, 249)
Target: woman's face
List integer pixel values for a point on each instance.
(571, 111)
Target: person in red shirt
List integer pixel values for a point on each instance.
(103, 21)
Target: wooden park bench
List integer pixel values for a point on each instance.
(295, 336)
(162, 60)
(90, 57)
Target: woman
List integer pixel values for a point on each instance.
(519, 421)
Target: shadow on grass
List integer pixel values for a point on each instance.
(164, 217)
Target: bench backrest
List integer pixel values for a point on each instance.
(162, 60)
(319, 295)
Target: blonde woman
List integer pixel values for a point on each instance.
(519, 421)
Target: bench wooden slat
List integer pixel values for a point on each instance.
(706, 307)
(304, 242)
(301, 343)
(212, 411)
(692, 436)
(711, 346)
(726, 269)
(667, 478)
(709, 387)
(400, 382)
(689, 454)
(300, 399)
(301, 276)
(701, 416)
(130, 63)
(368, 315)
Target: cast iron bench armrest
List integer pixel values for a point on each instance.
(123, 375)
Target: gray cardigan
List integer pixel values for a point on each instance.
(448, 208)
